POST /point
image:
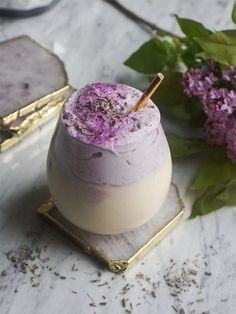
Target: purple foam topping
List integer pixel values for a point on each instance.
(99, 139)
(100, 114)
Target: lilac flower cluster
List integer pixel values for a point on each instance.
(215, 88)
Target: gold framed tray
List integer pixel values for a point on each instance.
(118, 252)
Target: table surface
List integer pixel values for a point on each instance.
(193, 270)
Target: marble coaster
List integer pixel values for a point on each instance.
(118, 252)
(33, 86)
(19, 128)
(31, 76)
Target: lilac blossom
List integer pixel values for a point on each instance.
(196, 83)
(231, 137)
(216, 90)
(215, 132)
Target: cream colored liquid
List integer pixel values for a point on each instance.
(110, 209)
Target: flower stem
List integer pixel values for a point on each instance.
(141, 21)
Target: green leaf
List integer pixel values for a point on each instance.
(171, 99)
(203, 55)
(180, 146)
(228, 195)
(234, 13)
(206, 203)
(190, 54)
(172, 55)
(220, 46)
(192, 28)
(217, 169)
(151, 57)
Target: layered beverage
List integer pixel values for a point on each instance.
(109, 168)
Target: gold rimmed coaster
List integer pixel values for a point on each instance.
(33, 87)
(118, 252)
(31, 76)
(18, 129)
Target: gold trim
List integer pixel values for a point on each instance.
(156, 238)
(29, 124)
(38, 103)
(36, 118)
(45, 207)
(116, 266)
(26, 123)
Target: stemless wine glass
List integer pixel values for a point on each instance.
(113, 179)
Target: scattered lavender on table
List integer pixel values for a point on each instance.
(179, 278)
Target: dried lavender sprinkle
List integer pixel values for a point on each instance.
(100, 113)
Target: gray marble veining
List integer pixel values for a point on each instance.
(93, 40)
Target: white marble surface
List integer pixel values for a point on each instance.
(93, 39)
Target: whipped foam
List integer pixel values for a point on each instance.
(100, 114)
(89, 147)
